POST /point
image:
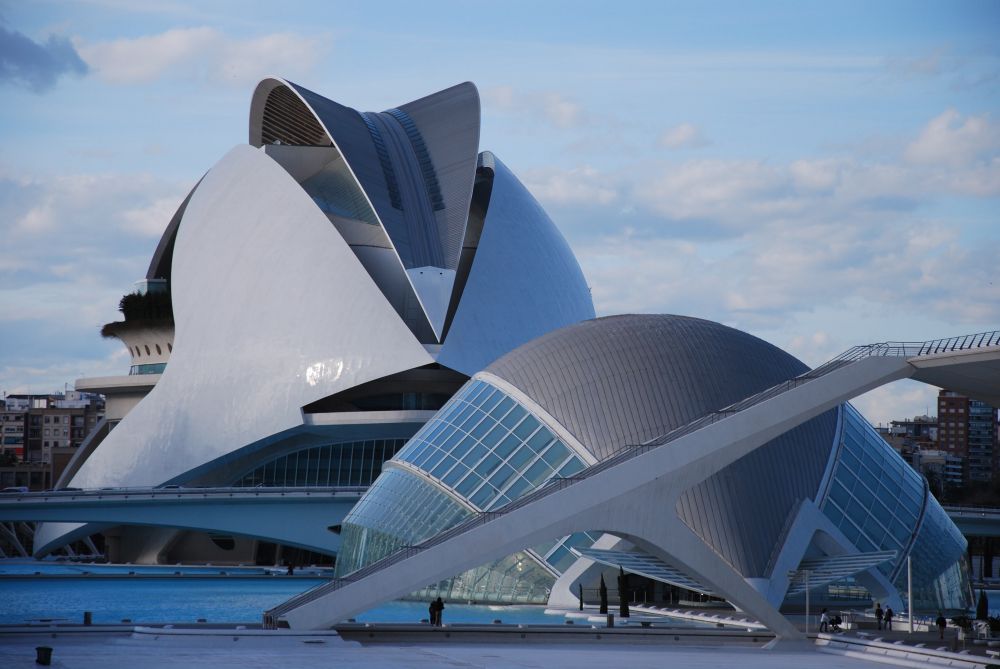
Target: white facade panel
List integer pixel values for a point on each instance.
(272, 310)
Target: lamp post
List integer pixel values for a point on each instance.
(807, 600)
(909, 588)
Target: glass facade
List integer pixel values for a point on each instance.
(400, 509)
(880, 503)
(940, 574)
(355, 463)
(153, 368)
(875, 498)
(487, 450)
(334, 191)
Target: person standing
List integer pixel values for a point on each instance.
(879, 614)
(888, 618)
(824, 622)
(941, 624)
(438, 606)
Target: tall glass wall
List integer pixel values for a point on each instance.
(876, 499)
(355, 463)
(400, 509)
(940, 575)
(487, 450)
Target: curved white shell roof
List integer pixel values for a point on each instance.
(272, 311)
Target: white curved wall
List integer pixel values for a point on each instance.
(272, 311)
(524, 281)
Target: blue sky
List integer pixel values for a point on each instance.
(818, 174)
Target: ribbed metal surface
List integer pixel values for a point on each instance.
(288, 121)
(644, 564)
(523, 283)
(813, 573)
(448, 122)
(626, 379)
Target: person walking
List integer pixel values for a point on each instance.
(824, 622)
(941, 624)
(888, 618)
(879, 614)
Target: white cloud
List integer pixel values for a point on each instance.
(581, 185)
(683, 136)
(552, 107)
(150, 220)
(202, 54)
(39, 219)
(954, 141)
(897, 401)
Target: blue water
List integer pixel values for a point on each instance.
(222, 599)
(65, 591)
(239, 597)
(31, 567)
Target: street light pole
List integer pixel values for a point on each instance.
(807, 601)
(909, 587)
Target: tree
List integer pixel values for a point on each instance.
(983, 606)
(622, 593)
(604, 596)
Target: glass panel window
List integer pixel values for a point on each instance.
(527, 426)
(540, 440)
(502, 408)
(513, 417)
(538, 472)
(483, 496)
(507, 446)
(501, 476)
(447, 462)
(571, 467)
(520, 458)
(517, 488)
(555, 454)
(468, 484)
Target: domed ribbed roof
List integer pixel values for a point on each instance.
(627, 379)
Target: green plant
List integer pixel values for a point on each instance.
(141, 308)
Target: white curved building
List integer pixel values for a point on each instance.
(332, 284)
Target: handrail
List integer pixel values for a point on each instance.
(180, 491)
(629, 451)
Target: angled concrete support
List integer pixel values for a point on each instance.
(635, 498)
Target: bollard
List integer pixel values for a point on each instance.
(611, 620)
(88, 618)
(43, 655)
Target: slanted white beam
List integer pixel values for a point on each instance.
(595, 502)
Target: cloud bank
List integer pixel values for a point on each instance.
(201, 54)
(37, 66)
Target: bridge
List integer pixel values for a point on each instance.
(976, 521)
(634, 493)
(301, 517)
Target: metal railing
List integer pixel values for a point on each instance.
(179, 491)
(854, 354)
